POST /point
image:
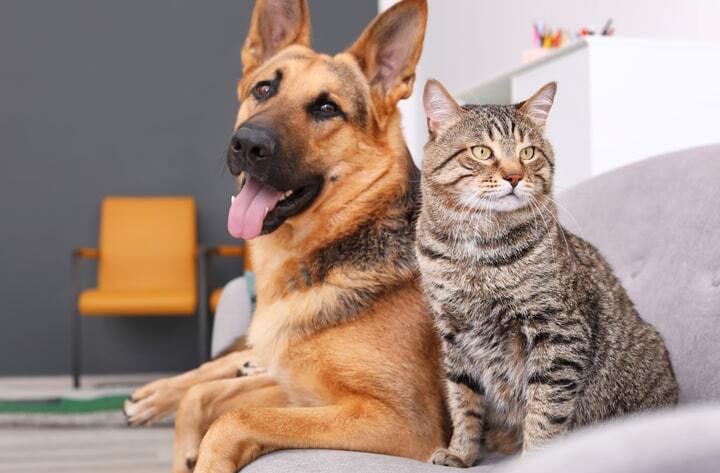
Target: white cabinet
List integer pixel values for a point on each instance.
(619, 101)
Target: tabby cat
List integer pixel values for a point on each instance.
(538, 335)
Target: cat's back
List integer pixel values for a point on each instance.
(631, 368)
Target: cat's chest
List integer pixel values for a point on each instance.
(498, 354)
(492, 333)
(483, 279)
(500, 336)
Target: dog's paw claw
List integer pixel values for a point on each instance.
(139, 413)
(249, 369)
(152, 402)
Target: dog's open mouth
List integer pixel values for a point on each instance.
(260, 208)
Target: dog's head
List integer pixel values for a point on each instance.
(310, 123)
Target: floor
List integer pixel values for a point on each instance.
(82, 450)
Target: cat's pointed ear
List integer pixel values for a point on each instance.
(388, 52)
(441, 110)
(537, 107)
(275, 25)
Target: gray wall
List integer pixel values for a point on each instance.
(100, 97)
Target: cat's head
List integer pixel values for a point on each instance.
(487, 157)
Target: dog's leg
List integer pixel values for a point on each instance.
(237, 438)
(159, 399)
(205, 402)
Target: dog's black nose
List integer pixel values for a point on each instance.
(253, 145)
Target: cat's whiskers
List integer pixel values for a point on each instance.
(534, 203)
(484, 211)
(532, 207)
(559, 227)
(577, 224)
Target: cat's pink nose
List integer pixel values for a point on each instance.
(513, 179)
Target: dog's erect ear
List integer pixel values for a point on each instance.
(441, 109)
(275, 25)
(389, 49)
(537, 107)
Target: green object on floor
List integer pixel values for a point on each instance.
(64, 405)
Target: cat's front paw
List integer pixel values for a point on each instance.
(445, 457)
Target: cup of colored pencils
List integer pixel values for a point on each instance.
(546, 39)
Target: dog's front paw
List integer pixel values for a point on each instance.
(185, 463)
(152, 402)
(445, 457)
(249, 368)
(226, 447)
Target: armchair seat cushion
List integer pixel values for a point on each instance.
(138, 302)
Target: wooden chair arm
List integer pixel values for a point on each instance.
(227, 251)
(86, 253)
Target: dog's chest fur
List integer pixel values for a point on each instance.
(301, 295)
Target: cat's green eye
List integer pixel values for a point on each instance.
(527, 153)
(481, 152)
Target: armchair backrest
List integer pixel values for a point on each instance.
(148, 243)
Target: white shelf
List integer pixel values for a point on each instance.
(619, 100)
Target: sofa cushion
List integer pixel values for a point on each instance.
(338, 461)
(658, 223)
(683, 439)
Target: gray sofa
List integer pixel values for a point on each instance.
(658, 223)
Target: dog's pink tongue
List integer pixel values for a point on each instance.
(248, 210)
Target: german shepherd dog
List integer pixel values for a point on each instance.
(342, 354)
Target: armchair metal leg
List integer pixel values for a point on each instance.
(203, 354)
(76, 330)
(76, 348)
(202, 312)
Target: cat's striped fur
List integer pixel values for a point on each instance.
(538, 335)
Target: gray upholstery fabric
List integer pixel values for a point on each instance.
(683, 440)
(335, 461)
(658, 223)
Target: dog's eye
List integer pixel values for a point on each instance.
(324, 109)
(328, 107)
(263, 90)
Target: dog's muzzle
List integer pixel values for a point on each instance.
(253, 149)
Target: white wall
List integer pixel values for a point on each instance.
(470, 41)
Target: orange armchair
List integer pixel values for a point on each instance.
(149, 264)
(226, 252)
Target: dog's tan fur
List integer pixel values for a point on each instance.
(367, 382)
